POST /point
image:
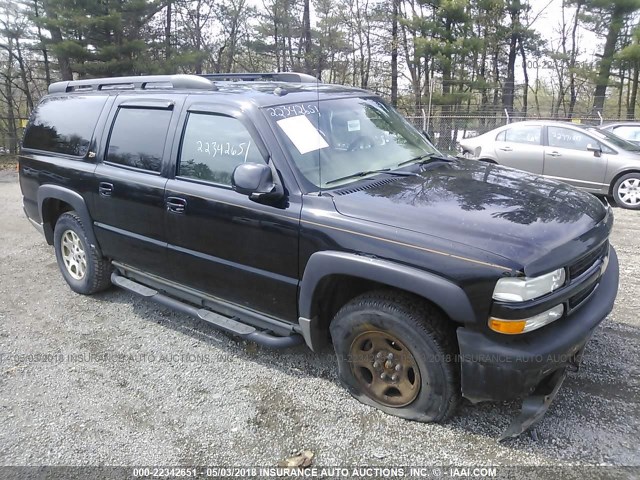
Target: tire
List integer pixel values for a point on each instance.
(626, 191)
(418, 336)
(81, 267)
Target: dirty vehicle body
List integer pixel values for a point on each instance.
(282, 210)
(589, 158)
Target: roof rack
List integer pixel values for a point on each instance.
(292, 77)
(145, 82)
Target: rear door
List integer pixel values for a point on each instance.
(566, 158)
(221, 242)
(520, 146)
(129, 211)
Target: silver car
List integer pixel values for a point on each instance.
(584, 156)
(628, 130)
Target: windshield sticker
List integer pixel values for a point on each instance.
(286, 111)
(353, 125)
(302, 133)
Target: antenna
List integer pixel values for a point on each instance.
(319, 155)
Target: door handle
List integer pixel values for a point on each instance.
(105, 189)
(554, 154)
(507, 149)
(176, 204)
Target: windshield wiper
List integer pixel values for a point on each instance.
(364, 173)
(427, 157)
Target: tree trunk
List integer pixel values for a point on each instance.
(306, 38)
(573, 95)
(631, 109)
(64, 64)
(167, 31)
(602, 81)
(509, 84)
(621, 91)
(41, 39)
(198, 39)
(394, 54)
(23, 76)
(525, 72)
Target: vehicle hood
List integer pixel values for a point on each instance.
(504, 211)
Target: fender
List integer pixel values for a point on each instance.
(443, 293)
(77, 203)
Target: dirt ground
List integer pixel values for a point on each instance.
(116, 380)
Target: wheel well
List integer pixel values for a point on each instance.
(617, 177)
(334, 291)
(52, 208)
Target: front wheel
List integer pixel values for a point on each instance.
(398, 354)
(626, 191)
(81, 267)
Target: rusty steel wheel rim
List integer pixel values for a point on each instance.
(385, 368)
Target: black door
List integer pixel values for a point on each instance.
(129, 211)
(221, 242)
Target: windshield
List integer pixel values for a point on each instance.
(613, 139)
(336, 142)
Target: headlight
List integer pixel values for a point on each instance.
(513, 327)
(521, 289)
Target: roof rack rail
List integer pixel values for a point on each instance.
(292, 77)
(144, 82)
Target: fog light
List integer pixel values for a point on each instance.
(514, 327)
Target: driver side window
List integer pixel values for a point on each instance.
(560, 137)
(212, 147)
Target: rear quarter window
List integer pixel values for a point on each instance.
(64, 124)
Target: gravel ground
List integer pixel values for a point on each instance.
(121, 381)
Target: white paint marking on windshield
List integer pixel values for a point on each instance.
(302, 133)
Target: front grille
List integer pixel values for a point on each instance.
(576, 300)
(583, 264)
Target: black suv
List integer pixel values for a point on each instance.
(284, 210)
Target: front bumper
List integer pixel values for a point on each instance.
(495, 367)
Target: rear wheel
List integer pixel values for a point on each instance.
(81, 267)
(398, 354)
(626, 191)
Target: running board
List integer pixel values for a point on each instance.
(229, 325)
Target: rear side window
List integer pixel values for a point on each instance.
(137, 138)
(64, 124)
(212, 147)
(529, 134)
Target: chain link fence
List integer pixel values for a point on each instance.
(446, 131)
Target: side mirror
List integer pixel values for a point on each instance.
(597, 150)
(255, 180)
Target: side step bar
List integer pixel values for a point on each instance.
(221, 322)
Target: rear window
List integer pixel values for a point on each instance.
(64, 124)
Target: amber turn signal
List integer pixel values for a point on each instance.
(509, 327)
